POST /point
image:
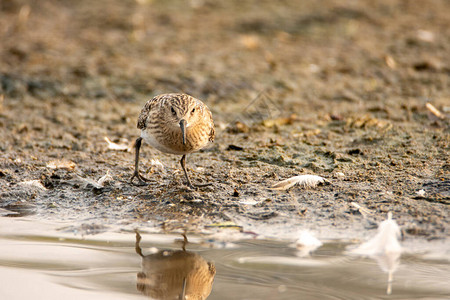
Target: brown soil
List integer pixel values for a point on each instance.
(295, 87)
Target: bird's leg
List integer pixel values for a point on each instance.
(141, 179)
(183, 165)
(189, 183)
(137, 245)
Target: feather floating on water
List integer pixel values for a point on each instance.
(385, 248)
(384, 242)
(306, 243)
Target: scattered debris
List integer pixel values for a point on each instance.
(434, 111)
(235, 148)
(5, 212)
(118, 147)
(85, 229)
(61, 164)
(228, 224)
(390, 62)
(367, 121)
(33, 184)
(250, 42)
(156, 164)
(310, 181)
(279, 121)
(91, 182)
(425, 35)
(238, 127)
(339, 175)
(420, 193)
(428, 64)
(355, 151)
(248, 201)
(261, 215)
(107, 178)
(362, 210)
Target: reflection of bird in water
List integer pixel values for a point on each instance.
(178, 275)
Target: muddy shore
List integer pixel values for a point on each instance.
(302, 87)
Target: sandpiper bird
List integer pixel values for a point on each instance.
(176, 124)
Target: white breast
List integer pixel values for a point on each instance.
(152, 141)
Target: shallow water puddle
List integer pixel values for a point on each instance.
(39, 260)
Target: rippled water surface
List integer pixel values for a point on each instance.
(53, 261)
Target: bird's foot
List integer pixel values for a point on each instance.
(141, 179)
(196, 186)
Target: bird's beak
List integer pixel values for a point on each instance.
(183, 126)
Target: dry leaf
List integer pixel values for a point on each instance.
(301, 180)
(61, 164)
(117, 147)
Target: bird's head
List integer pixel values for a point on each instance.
(182, 112)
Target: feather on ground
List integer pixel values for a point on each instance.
(301, 180)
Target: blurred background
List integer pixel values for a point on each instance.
(322, 53)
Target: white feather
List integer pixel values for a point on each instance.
(33, 184)
(306, 243)
(105, 179)
(115, 146)
(301, 180)
(157, 164)
(385, 248)
(385, 242)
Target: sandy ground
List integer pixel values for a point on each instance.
(336, 89)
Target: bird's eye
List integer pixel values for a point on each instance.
(173, 111)
(193, 110)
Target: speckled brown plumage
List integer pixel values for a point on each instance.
(174, 123)
(171, 274)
